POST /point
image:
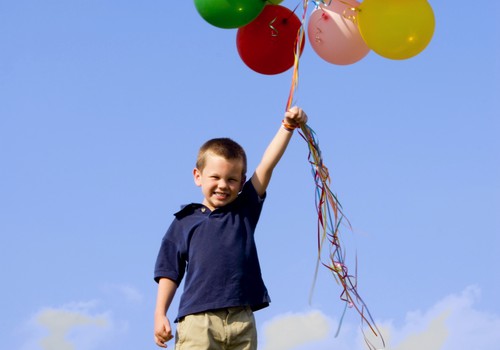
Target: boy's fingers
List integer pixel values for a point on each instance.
(296, 112)
(161, 334)
(163, 337)
(159, 342)
(296, 116)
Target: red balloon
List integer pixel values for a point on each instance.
(267, 44)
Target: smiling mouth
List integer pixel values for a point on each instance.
(221, 195)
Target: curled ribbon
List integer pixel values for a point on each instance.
(329, 210)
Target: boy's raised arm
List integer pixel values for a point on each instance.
(262, 176)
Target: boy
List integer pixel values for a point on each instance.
(213, 243)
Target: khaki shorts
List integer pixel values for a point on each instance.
(225, 329)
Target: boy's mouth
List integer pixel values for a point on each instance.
(221, 195)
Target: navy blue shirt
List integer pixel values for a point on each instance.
(216, 252)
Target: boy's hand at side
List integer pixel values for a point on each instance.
(295, 116)
(163, 331)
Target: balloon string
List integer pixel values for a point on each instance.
(299, 41)
(330, 214)
(293, 11)
(330, 221)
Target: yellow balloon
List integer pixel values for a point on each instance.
(396, 29)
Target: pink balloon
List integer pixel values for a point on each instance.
(333, 36)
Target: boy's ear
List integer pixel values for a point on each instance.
(197, 176)
(243, 180)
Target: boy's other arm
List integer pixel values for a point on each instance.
(162, 330)
(262, 176)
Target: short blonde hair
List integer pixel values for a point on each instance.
(223, 147)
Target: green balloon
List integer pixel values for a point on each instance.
(229, 13)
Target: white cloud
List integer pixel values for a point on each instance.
(454, 323)
(431, 337)
(69, 327)
(289, 330)
(82, 325)
(60, 323)
(470, 328)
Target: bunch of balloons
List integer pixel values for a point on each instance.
(341, 32)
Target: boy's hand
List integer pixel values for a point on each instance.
(295, 116)
(163, 332)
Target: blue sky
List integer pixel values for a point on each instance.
(104, 105)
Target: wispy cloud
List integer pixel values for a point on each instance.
(85, 325)
(432, 337)
(60, 323)
(452, 323)
(62, 328)
(127, 292)
(289, 330)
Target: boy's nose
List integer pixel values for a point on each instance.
(222, 183)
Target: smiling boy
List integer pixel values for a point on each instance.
(212, 246)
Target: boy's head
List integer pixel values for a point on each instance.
(220, 171)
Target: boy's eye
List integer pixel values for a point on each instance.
(231, 179)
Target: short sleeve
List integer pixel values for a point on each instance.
(171, 261)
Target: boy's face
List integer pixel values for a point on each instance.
(220, 180)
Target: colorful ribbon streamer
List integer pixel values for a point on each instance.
(330, 215)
